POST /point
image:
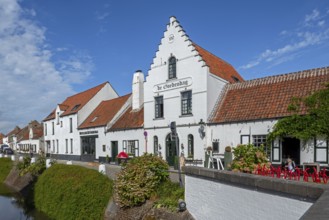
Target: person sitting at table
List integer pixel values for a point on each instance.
(291, 164)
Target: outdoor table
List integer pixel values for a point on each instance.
(317, 165)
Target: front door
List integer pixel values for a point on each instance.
(171, 150)
(114, 150)
(291, 148)
(88, 148)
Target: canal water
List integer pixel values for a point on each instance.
(13, 207)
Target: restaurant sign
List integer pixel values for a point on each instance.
(173, 84)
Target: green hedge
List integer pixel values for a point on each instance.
(5, 166)
(72, 192)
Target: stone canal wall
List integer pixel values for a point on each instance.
(212, 194)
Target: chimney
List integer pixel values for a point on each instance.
(138, 90)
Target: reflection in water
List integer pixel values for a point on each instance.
(13, 206)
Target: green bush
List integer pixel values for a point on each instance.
(247, 157)
(5, 166)
(138, 179)
(72, 192)
(34, 169)
(168, 194)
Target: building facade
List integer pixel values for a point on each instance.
(61, 134)
(206, 99)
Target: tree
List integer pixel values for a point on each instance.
(310, 118)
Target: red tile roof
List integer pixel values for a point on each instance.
(129, 120)
(14, 131)
(74, 103)
(266, 98)
(37, 129)
(1, 138)
(219, 67)
(104, 112)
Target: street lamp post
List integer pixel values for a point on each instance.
(174, 134)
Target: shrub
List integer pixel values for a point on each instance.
(5, 166)
(139, 179)
(168, 194)
(34, 169)
(247, 157)
(72, 192)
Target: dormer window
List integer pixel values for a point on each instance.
(94, 119)
(235, 79)
(75, 107)
(172, 68)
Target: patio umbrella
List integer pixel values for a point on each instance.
(122, 155)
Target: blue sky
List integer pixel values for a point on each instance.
(52, 49)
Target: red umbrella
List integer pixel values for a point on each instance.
(122, 155)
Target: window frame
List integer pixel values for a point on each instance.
(187, 101)
(190, 146)
(155, 145)
(172, 67)
(158, 107)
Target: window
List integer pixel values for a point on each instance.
(75, 107)
(159, 107)
(94, 119)
(186, 102)
(61, 124)
(53, 128)
(57, 146)
(321, 150)
(215, 147)
(71, 140)
(104, 148)
(260, 141)
(155, 145)
(45, 129)
(131, 147)
(172, 68)
(66, 146)
(71, 125)
(58, 118)
(53, 146)
(190, 146)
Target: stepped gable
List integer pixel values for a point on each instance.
(74, 103)
(104, 112)
(266, 98)
(129, 120)
(219, 67)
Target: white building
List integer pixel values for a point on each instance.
(204, 95)
(246, 112)
(182, 86)
(61, 132)
(30, 138)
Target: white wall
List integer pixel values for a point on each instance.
(215, 86)
(183, 132)
(106, 93)
(220, 201)
(125, 135)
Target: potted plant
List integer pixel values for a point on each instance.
(227, 157)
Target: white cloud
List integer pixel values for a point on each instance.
(313, 16)
(31, 85)
(304, 37)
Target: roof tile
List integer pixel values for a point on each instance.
(219, 67)
(104, 112)
(268, 97)
(129, 120)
